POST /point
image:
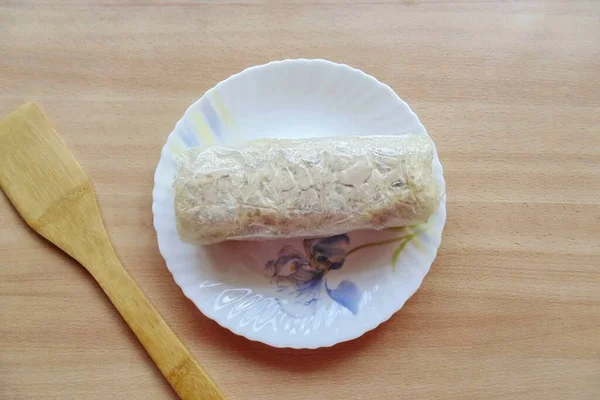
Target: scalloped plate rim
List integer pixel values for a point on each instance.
(211, 314)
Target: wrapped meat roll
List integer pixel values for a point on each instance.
(275, 188)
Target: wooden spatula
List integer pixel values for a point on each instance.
(54, 196)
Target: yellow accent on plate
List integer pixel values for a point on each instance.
(175, 147)
(200, 128)
(223, 110)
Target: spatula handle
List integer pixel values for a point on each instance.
(54, 196)
(170, 355)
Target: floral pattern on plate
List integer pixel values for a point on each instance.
(302, 278)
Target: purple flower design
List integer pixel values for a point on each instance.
(302, 279)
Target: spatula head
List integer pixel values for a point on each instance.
(45, 183)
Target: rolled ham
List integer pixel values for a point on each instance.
(276, 188)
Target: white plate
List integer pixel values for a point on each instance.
(229, 282)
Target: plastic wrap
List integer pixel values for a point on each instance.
(277, 188)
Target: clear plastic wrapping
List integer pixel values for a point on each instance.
(277, 188)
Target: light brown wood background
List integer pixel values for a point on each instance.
(510, 92)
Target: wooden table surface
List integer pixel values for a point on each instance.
(510, 92)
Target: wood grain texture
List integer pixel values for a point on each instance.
(50, 190)
(510, 92)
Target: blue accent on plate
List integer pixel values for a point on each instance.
(212, 118)
(346, 294)
(189, 139)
